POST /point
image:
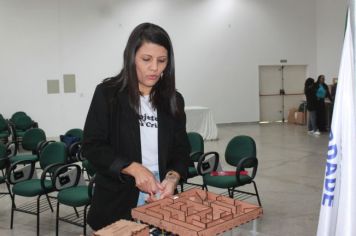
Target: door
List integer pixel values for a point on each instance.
(281, 88)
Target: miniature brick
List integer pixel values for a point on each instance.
(197, 213)
(124, 228)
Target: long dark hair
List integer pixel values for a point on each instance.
(308, 84)
(319, 79)
(163, 94)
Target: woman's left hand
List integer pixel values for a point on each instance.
(168, 188)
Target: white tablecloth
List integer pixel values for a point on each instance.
(201, 120)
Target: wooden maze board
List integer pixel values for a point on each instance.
(197, 212)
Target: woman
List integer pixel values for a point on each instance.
(322, 92)
(310, 94)
(135, 133)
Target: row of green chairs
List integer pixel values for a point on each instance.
(53, 158)
(35, 137)
(32, 141)
(56, 175)
(20, 122)
(15, 127)
(240, 153)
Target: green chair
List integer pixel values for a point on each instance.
(20, 124)
(86, 167)
(240, 153)
(196, 142)
(51, 157)
(70, 193)
(4, 165)
(75, 133)
(32, 141)
(17, 114)
(5, 130)
(73, 140)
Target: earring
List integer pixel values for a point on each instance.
(162, 75)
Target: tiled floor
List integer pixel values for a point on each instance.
(289, 179)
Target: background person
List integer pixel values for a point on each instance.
(310, 94)
(135, 135)
(322, 92)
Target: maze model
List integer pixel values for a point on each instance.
(197, 212)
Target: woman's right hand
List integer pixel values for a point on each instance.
(145, 180)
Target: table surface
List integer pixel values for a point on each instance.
(201, 120)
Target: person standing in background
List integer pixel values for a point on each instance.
(322, 92)
(310, 94)
(333, 89)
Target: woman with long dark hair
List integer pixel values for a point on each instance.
(310, 94)
(135, 135)
(322, 92)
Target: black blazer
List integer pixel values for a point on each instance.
(112, 141)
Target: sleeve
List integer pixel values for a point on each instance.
(179, 160)
(96, 142)
(328, 95)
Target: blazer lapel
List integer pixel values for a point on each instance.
(131, 120)
(163, 138)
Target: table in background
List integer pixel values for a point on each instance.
(201, 120)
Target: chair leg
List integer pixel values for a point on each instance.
(17, 146)
(83, 172)
(76, 212)
(257, 195)
(9, 189)
(49, 202)
(181, 187)
(38, 215)
(232, 192)
(57, 218)
(205, 187)
(12, 212)
(85, 220)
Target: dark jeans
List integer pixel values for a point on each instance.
(321, 115)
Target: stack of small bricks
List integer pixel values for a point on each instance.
(124, 228)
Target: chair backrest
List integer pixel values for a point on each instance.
(54, 152)
(3, 124)
(75, 133)
(3, 156)
(89, 168)
(240, 147)
(196, 144)
(22, 122)
(32, 137)
(17, 114)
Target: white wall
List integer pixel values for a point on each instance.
(331, 17)
(218, 44)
